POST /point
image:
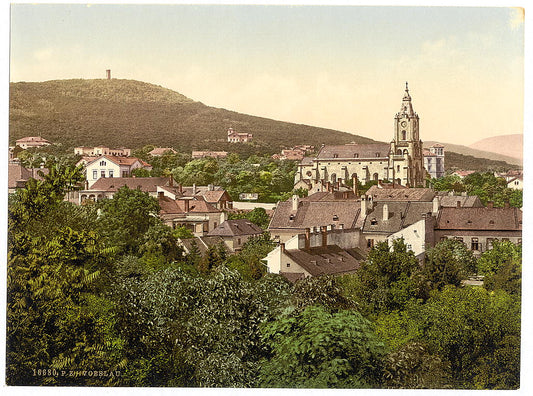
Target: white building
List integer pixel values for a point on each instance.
(112, 166)
(434, 161)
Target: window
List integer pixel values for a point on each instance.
(110, 172)
(288, 264)
(102, 163)
(475, 244)
(378, 155)
(102, 173)
(124, 173)
(373, 221)
(489, 243)
(443, 238)
(238, 241)
(519, 241)
(459, 239)
(370, 243)
(356, 155)
(335, 218)
(397, 168)
(291, 217)
(404, 135)
(409, 246)
(95, 174)
(335, 155)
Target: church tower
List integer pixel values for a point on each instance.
(406, 161)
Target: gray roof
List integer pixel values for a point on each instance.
(231, 228)
(316, 213)
(349, 151)
(203, 243)
(401, 194)
(470, 201)
(401, 215)
(327, 260)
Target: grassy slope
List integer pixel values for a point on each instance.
(130, 113)
(468, 151)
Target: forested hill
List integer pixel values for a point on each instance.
(128, 113)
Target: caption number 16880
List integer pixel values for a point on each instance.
(45, 372)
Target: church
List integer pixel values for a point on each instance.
(401, 162)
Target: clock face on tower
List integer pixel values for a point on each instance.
(404, 123)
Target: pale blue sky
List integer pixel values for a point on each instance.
(341, 67)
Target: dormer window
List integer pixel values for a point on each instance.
(335, 155)
(335, 218)
(491, 222)
(291, 217)
(373, 221)
(378, 155)
(102, 163)
(356, 155)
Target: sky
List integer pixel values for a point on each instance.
(339, 67)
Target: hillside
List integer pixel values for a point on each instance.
(455, 161)
(465, 150)
(509, 145)
(127, 113)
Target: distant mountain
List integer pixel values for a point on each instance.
(128, 113)
(509, 145)
(468, 151)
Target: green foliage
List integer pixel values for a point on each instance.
(322, 290)
(248, 260)
(258, 216)
(502, 267)
(183, 232)
(213, 258)
(412, 367)
(478, 332)
(448, 263)
(387, 279)
(160, 241)
(318, 349)
(127, 217)
(456, 161)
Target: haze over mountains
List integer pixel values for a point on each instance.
(129, 113)
(509, 145)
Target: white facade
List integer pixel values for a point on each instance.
(109, 167)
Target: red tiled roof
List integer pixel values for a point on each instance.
(146, 184)
(32, 139)
(161, 150)
(500, 219)
(127, 161)
(196, 205)
(19, 175)
(236, 228)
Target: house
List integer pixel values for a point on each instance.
(477, 228)
(463, 173)
(516, 183)
(326, 252)
(393, 193)
(292, 217)
(32, 142)
(159, 151)
(212, 154)
(193, 213)
(102, 150)
(112, 166)
(106, 187)
(235, 137)
(235, 233)
(214, 195)
(400, 162)
(417, 236)
(434, 161)
(18, 175)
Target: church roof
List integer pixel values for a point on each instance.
(355, 151)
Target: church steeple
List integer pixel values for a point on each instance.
(407, 107)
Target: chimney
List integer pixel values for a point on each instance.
(355, 186)
(307, 238)
(436, 205)
(171, 181)
(282, 247)
(186, 201)
(160, 194)
(490, 204)
(108, 74)
(324, 232)
(385, 212)
(180, 188)
(363, 205)
(295, 202)
(458, 204)
(211, 187)
(194, 189)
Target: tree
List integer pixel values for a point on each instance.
(502, 267)
(387, 279)
(478, 332)
(318, 349)
(127, 217)
(448, 263)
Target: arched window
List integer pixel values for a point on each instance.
(399, 152)
(375, 176)
(405, 151)
(334, 178)
(399, 181)
(404, 135)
